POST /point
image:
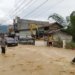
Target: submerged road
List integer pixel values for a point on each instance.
(37, 60)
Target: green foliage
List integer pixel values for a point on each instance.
(68, 30)
(70, 45)
(72, 19)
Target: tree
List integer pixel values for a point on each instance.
(68, 30)
(72, 19)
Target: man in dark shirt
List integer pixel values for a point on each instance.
(3, 44)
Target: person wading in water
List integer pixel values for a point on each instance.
(3, 44)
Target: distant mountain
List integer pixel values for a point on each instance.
(3, 28)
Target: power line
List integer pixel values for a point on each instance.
(11, 11)
(36, 8)
(48, 9)
(52, 7)
(27, 7)
(23, 8)
(19, 4)
(20, 10)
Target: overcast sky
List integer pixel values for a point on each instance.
(29, 9)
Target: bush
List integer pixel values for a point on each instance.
(70, 45)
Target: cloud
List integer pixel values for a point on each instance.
(5, 8)
(61, 7)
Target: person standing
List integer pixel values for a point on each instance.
(3, 44)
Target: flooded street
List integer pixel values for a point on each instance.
(35, 60)
(42, 33)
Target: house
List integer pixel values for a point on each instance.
(44, 29)
(23, 26)
(53, 33)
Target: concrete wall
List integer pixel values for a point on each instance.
(26, 33)
(62, 36)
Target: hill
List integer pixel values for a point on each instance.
(3, 29)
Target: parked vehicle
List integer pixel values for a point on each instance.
(26, 40)
(11, 40)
